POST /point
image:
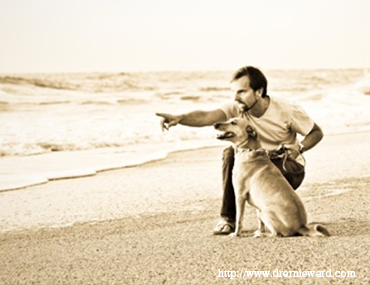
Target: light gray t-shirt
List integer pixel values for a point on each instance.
(278, 125)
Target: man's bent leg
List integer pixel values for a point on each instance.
(228, 209)
(294, 172)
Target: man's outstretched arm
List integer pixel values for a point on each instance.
(192, 119)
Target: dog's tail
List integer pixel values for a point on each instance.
(316, 231)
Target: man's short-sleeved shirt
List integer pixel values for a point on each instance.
(278, 125)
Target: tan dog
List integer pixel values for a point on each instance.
(257, 180)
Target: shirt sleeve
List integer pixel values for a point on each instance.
(231, 110)
(301, 122)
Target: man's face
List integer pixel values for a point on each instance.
(244, 94)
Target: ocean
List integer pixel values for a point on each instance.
(62, 125)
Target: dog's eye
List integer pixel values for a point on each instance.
(233, 123)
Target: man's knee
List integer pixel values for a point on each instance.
(293, 171)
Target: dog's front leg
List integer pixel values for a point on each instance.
(261, 225)
(240, 205)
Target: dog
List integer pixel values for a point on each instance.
(257, 180)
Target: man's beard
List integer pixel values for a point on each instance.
(244, 107)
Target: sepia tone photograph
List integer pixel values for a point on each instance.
(184, 142)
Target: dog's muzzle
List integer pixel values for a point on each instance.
(223, 135)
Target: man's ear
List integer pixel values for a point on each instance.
(251, 132)
(260, 91)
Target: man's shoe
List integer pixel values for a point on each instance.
(224, 228)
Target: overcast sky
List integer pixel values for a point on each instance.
(140, 35)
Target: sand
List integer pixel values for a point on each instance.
(153, 225)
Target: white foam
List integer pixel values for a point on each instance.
(30, 170)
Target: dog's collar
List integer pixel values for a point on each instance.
(241, 150)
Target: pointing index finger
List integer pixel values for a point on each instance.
(162, 115)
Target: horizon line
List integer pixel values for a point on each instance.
(182, 70)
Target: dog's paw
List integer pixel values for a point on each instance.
(233, 235)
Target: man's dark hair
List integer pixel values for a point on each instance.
(256, 77)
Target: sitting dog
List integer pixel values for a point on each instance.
(257, 180)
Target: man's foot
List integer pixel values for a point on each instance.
(224, 228)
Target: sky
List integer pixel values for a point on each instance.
(156, 35)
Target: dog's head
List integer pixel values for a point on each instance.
(237, 131)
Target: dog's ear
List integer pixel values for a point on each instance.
(251, 132)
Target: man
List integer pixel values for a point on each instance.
(277, 122)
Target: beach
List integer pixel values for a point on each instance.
(111, 148)
(160, 220)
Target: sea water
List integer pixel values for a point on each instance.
(61, 125)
